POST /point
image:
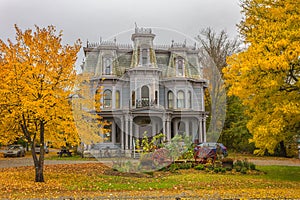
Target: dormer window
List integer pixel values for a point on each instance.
(107, 66)
(180, 67)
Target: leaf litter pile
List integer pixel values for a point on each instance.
(95, 180)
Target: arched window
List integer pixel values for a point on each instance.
(180, 99)
(117, 99)
(170, 99)
(180, 67)
(107, 99)
(145, 96)
(189, 99)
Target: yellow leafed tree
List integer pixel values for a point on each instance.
(37, 77)
(86, 101)
(266, 75)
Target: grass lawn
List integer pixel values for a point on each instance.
(97, 180)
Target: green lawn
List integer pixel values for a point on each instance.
(281, 173)
(97, 180)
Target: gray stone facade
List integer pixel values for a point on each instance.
(148, 88)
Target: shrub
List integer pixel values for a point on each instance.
(185, 166)
(244, 170)
(209, 165)
(223, 170)
(199, 167)
(238, 163)
(252, 166)
(217, 170)
(228, 168)
(173, 167)
(243, 166)
(238, 168)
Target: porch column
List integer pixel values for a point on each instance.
(122, 132)
(168, 129)
(204, 130)
(164, 124)
(175, 127)
(126, 132)
(187, 128)
(200, 134)
(130, 133)
(113, 132)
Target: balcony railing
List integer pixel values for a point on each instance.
(140, 103)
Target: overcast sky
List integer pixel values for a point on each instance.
(92, 19)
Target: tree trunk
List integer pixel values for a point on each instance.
(282, 149)
(39, 163)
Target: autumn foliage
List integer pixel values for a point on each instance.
(265, 76)
(37, 77)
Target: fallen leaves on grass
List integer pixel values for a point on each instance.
(97, 180)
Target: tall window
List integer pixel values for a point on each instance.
(107, 66)
(189, 100)
(170, 99)
(117, 99)
(180, 68)
(145, 96)
(107, 99)
(180, 99)
(144, 56)
(133, 98)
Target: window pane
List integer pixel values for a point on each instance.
(133, 98)
(189, 100)
(180, 99)
(117, 99)
(170, 99)
(144, 56)
(107, 99)
(180, 67)
(107, 66)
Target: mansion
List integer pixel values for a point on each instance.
(148, 88)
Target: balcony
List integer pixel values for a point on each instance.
(145, 102)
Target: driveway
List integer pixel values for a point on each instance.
(28, 161)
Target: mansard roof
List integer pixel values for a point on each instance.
(123, 56)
